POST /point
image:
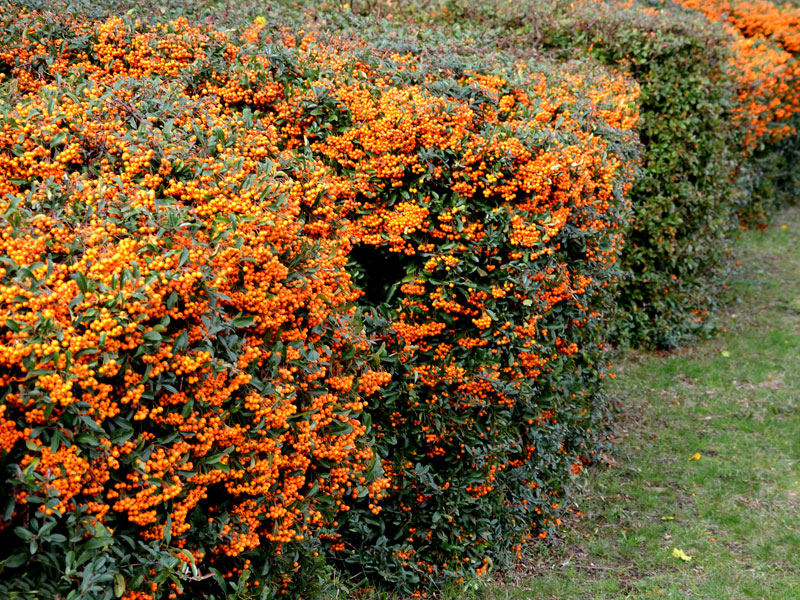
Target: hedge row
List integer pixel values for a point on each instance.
(715, 108)
(276, 303)
(270, 304)
(684, 202)
(487, 267)
(183, 379)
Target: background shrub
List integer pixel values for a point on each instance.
(777, 22)
(685, 203)
(763, 40)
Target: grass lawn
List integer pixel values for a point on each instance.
(734, 400)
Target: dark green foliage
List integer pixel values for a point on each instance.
(686, 200)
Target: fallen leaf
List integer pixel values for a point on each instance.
(695, 456)
(725, 354)
(678, 553)
(609, 460)
(668, 518)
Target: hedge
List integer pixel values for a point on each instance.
(778, 23)
(486, 262)
(183, 376)
(684, 199)
(293, 297)
(265, 298)
(762, 39)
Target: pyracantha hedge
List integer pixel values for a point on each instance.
(183, 380)
(718, 111)
(269, 302)
(487, 230)
(763, 39)
(776, 22)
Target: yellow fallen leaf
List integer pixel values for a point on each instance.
(784, 227)
(726, 354)
(678, 553)
(695, 456)
(667, 518)
(259, 20)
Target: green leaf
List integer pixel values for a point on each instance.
(243, 321)
(83, 283)
(181, 342)
(119, 585)
(9, 509)
(15, 560)
(58, 139)
(152, 336)
(99, 542)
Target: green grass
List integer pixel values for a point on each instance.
(736, 511)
